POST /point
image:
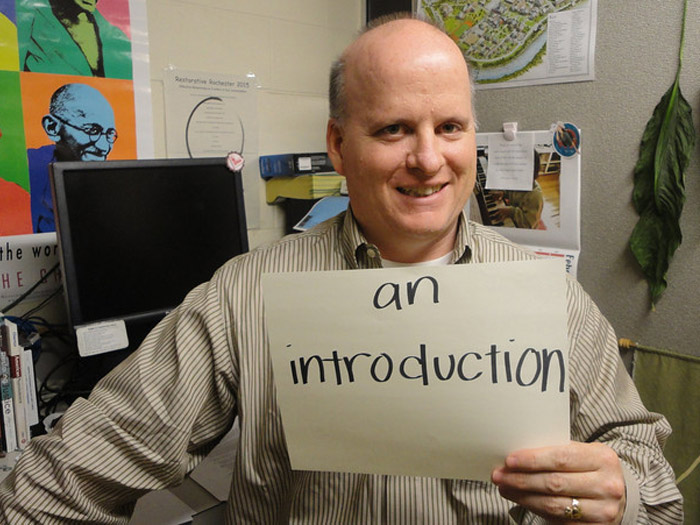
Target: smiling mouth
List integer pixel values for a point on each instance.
(421, 192)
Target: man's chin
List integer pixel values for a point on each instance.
(93, 156)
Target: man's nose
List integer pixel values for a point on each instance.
(425, 155)
(103, 144)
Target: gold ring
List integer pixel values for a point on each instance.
(573, 511)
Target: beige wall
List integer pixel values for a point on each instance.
(637, 46)
(287, 44)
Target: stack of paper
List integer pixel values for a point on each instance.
(312, 186)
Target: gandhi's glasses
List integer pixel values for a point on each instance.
(94, 131)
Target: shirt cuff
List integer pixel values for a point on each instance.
(632, 500)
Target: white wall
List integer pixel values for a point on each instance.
(287, 44)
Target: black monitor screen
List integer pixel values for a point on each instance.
(136, 236)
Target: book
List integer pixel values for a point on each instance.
(30, 383)
(312, 186)
(7, 419)
(291, 164)
(14, 352)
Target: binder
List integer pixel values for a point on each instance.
(291, 164)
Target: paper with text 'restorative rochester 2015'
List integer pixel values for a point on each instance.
(422, 371)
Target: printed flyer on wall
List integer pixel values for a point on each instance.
(529, 190)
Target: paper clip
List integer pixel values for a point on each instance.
(510, 129)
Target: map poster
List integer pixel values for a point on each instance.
(511, 43)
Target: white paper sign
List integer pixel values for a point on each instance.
(438, 371)
(511, 162)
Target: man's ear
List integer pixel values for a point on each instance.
(334, 141)
(51, 127)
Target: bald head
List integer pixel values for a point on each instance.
(389, 40)
(79, 100)
(80, 122)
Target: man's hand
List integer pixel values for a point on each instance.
(546, 480)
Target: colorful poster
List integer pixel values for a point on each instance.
(9, 56)
(74, 85)
(15, 215)
(72, 118)
(69, 69)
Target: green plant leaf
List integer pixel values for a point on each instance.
(653, 242)
(659, 186)
(659, 181)
(676, 141)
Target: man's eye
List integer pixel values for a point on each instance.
(449, 127)
(394, 129)
(93, 130)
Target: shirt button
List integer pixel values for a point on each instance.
(372, 252)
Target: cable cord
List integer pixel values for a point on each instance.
(26, 294)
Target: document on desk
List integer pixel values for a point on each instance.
(420, 371)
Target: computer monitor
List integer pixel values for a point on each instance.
(136, 236)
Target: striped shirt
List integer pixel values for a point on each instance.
(150, 421)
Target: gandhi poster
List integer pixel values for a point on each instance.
(76, 77)
(422, 371)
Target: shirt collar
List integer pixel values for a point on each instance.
(360, 253)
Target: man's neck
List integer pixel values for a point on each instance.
(440, 261)
(416, 250)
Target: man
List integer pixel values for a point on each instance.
(81, 123)
(71, 37)
(402, 131)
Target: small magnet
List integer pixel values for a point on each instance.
(235, 161)
(566, 139)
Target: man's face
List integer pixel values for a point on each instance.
(407, 146)
(75, 140)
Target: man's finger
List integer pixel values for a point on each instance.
(574, 457)
(581, 484)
